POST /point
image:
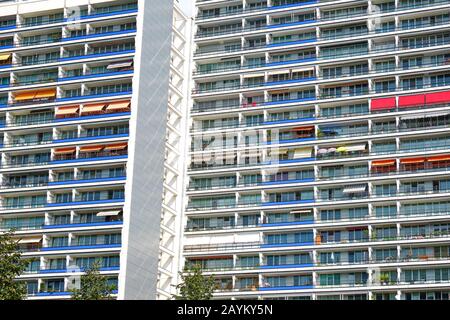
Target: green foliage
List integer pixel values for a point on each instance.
(11, 266)
(93, 286)
(194, 285)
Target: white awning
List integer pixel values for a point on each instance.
(109, 213)
(252, 153)
(225, 156)
(302, 69)
(301, 211)
(120, 65)
(273, 73)
(277, 151)
(355, 189)
(357, 147)
(199, 158)
(302, 152)
(439, 114)
(254, 75)
(30, 240)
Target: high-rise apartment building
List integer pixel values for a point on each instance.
(295, 149)
(91, 104)
(320, 149)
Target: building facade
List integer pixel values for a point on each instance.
(319, 149)
(91, 115)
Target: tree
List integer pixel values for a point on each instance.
(11, 266)
(93, 285)
(194, 285)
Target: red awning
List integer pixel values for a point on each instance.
(380, 163)
(439, 158)
(411, 101)
(308, 128)
(438, 97)
(383, 104)
(412, 160)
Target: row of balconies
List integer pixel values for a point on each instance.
(379, 169)
(325, 115)
(65, 15)
(323, 91)
(301, 219)
(392, 191)
(14, 38)
(221, 11)
(344, 94)
(68, 134)
(352, 260)
(33, 59)
(324, 33)
(246, 162)
(67, 155)
(67, 93)
(80, 113)
(23, 224)
(357, 237)
(50, 76)
(357, 129)
(397, 40)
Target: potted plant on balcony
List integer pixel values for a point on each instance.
(384, 279)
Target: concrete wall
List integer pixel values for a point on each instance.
(142, 212)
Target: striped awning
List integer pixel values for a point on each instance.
(91, 148)
(98, 107)
(381, 163)
(65, 150)
(445, 157)
(118, 146)
(48, 93)
(62, 111)
(118, 105)
(412, 160)
(22, 96)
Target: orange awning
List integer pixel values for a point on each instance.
(22, 96)
(445, 157)
(91, 148)
(308, 128)
(93, 108)
(380, 163)
(412, 160)
(118, 146)
(65, 150)
(119, 105)
(62, 111)
(48, 93)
